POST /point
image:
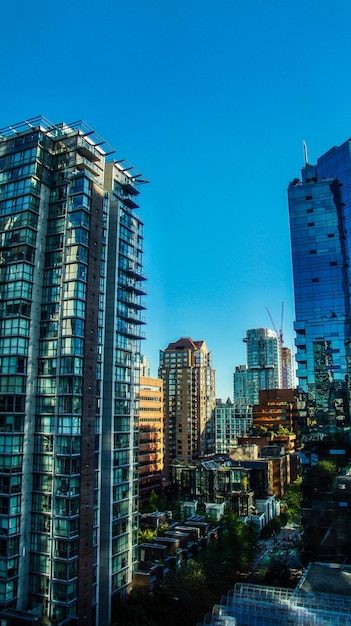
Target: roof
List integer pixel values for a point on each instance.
(327, 578)
(185, 343)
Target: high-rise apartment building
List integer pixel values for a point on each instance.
(150, 437)
(263, 369)
(71, 282)
(320, 224)
(189, 395)
(287, 368)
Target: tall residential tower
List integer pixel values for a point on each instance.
(189, 397)
(71, 282)
(263, 369)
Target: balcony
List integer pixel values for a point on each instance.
(85, 164)
(129, 203)
(129, 189)
(130, 316)
(88, 151)
(132, 301)
(130, 330)
(131, 285)
(134, 270)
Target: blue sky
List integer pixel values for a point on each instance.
(211, 102)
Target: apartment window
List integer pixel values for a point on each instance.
(12, 364)
(72, 345)
(69, 426)
(73, 308)
(81, 185)
(13, 344)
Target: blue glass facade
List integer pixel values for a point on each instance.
(320, 213)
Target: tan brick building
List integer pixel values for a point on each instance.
(151, 420)
(189, 392)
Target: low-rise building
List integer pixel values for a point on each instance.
(230, 422)
(276, 408)
(245, 452)
(167, 551)
(211, 481)
(269, 507)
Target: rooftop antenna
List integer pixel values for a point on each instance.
(305, 153)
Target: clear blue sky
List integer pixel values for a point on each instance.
(211, 102)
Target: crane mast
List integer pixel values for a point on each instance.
(280, 337)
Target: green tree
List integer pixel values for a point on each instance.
(147, 534)
(282, 430)
(186, 594)
(241, 541)
(284, 518)
(136, 610)
(156, 503)
(188, 581)
(277, 571)
(322, 475)
(292, 500)
(258, 429)
(272, 528)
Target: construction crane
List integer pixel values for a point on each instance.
(280, 333)
(281, 341)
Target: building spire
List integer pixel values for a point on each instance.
(305, 153)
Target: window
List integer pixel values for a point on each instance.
(12, 384)
(79, 201)
(72, 345)
(73, 326)
(80, 185)
(14, 345)
(79, 218)
(72, 308)
(75, 289)
(69, 426)
(12, 364)
(71, 365)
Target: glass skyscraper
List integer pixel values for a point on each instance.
(71, 282)
(320, 224)
(263, 369)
